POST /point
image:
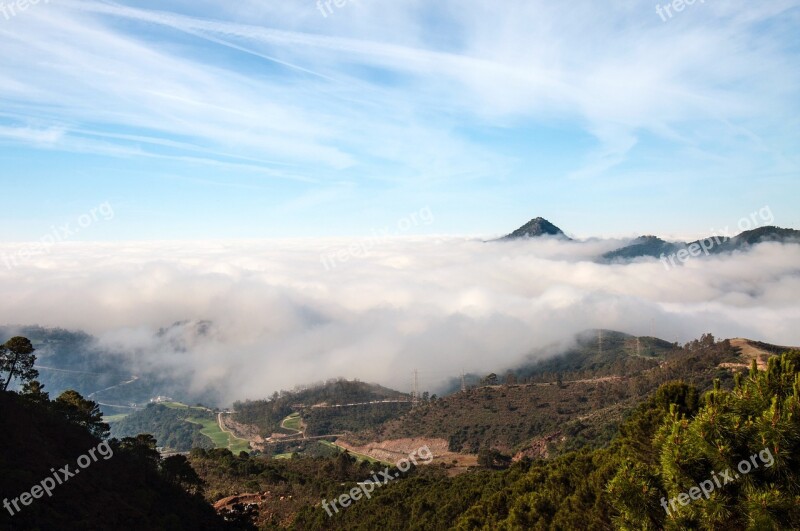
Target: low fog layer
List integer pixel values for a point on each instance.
(286, 313)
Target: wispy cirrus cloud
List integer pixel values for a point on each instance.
(410, 96)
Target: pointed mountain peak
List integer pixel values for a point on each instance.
(535, 228)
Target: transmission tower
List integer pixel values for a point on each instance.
(463, 383)
(415, 393)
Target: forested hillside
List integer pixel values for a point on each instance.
(693, 441)
(268, 414)
(573, 410)
(674, 444)
(132, 489)
(597, 353)
(172, 427)
(289, 484)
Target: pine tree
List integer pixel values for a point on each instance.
(17, 359)
(743, 446)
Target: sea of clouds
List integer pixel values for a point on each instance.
(281, 318)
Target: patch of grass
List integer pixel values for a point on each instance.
(179, 405)
(114, 418)
(220, 439)
(293, 422)
(175, 405)
(239, 445)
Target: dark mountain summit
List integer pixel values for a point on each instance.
(536, 228)
(644, 246)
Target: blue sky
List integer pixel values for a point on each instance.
(266, 119)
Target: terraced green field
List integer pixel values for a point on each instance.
(220, 439)
(293, 422)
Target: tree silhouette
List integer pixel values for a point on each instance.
(178, 471)
(16, 358)
(34, 391)
(143, 447)
(82, 412)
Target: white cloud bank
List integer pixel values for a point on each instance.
(436, 304)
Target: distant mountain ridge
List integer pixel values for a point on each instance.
(752, 237)
(652, 246)
(655, 247)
